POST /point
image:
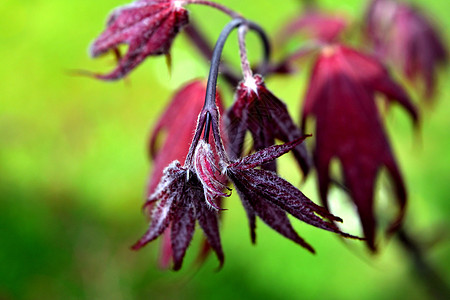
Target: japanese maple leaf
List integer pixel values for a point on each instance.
(148, 27)
(341, 97)
(261, 113)
(266, 195)
(408, 39)
(177, 125)
(179, 202)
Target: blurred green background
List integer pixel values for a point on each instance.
(73, 168)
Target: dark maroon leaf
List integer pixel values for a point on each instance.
(208, 221)
(265, 194)
(177, 202)
(404, 36)
(278, 220)
(178, 132)
(258, 111)
(272, 215)
(281, 193)
(147, 26)
(182, 231)
(167, 192)
(251, 214)
(341, 97)
(265, 155)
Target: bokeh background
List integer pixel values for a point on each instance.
(73, 167)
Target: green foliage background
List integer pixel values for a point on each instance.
(73, 168)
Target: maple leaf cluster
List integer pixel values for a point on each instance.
(193, 173)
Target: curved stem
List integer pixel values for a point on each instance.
(199, 40)
(210, 98)
(218, 6)
(209, 111)
(217, 53)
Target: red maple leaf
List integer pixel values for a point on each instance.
(148, 27)
(177, 124)
(406, 37)
(341, 97)
(266, 195)
(266, 117)
(178, 202)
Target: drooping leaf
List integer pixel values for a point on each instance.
(259, 112)
(168, 192)
(341, 97)
(265, 194)
(148, 27)
(180, 200)
(208, 221)
(405, 37)
(271, 214)
(182, 230)
(265, 155)
(170, 141)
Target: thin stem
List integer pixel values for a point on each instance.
(210, 107)
(264, 67)
(246, 70)
(218, 6)
(217, 53)
(209, 110)
(210, 98)
(200, 41)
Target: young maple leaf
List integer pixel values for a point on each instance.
(178, 202)
(209, 174)
(341, 97)
(148, 27)
(178, 123)
(403, 35)
(258, 111)
(266, 195)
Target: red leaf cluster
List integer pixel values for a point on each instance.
(177, 132)
(179, 202)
